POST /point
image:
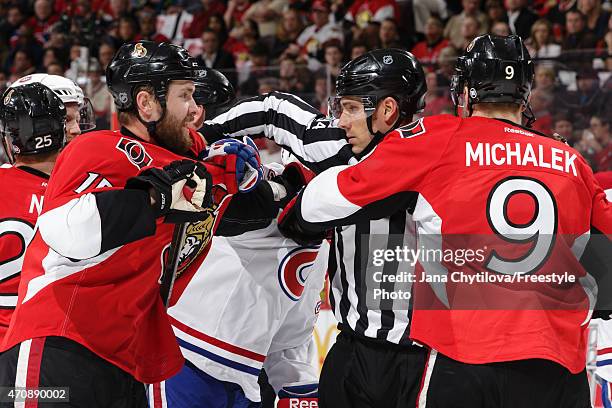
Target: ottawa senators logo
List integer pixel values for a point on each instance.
(413, 129)
(197, 238)
(294, 269)
(7, 98)
(139, 51)
(135, 152)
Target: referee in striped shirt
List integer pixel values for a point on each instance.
(373, 362)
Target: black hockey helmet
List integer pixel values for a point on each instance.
(32, 120)
(142, 63)
(147, 63)
(494, 69)
(381, 73)
(213, 91)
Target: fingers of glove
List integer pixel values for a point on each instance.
(179, 169)
(199, 194)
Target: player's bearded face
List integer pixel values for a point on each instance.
(172, 131)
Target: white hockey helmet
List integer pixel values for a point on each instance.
(68, 91)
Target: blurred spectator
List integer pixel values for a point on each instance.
(106, 51)
(358, 49)
(541, 104)
(363, 12)
(8, 26)
(423, 9)
(287, 33)
(174, 23)
(200, 18)
(500, 28)
(334, 57)
(446, 66)
(294, 78)
(217, 24)
(579, 43)
(235, 11)
(126, 31)
(596, 17)
(540, 43)
(240, 40)
(495, 11)
(114, 9)
(556, 15)
(545, 78)
(55, 69)
(52, 56)
(23, 64)
(266, 13)
(57, 38)
(563, 126)
(98, 94)
(147, 22)
(469, 31)
(454, 26)
(255, 68)
(213, 56)
(321, 30)
(600, 128)
(388, 34)
(267, 85)
(437, 100)
(42, 20)
(520, 18)
(323, 90)
(589, 99)
(3, 86)
(428, 50)
(24, 39)
(605, 46)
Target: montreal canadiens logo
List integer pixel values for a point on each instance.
(135, 152)
(294, 270)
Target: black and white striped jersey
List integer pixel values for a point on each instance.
(317, 143)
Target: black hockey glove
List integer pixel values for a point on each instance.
(289, 226)
(181, 190)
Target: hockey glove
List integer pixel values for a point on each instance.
(181, 190)
(289, 226)
(243, 170)
(303, 395)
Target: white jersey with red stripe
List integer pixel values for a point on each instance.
(255, 297)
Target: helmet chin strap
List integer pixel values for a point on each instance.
(377, 136)
(152, 125)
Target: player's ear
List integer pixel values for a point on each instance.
(390, 109)
(146, 103)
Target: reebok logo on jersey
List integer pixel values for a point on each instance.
(517, 154)
(519, 131)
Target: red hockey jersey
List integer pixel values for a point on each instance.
(91, 272)
(22, 192)
(527, 201)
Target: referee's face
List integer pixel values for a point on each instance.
(353, 121)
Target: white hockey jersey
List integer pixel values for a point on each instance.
(254, 299)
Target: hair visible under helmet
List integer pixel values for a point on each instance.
(494, 69)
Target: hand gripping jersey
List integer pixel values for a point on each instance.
(495, 181)
(22, 191)
(91, 272)
(254, 297)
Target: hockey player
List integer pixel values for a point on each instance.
(483, 174)
(79, 111)
(32, 122)
(89, 315)
(38, 162)
(251, 304)
(391, 83)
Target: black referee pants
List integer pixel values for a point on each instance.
(360, 373)
(92, 382)
(532, 383)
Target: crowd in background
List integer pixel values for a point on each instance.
(298, 46)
